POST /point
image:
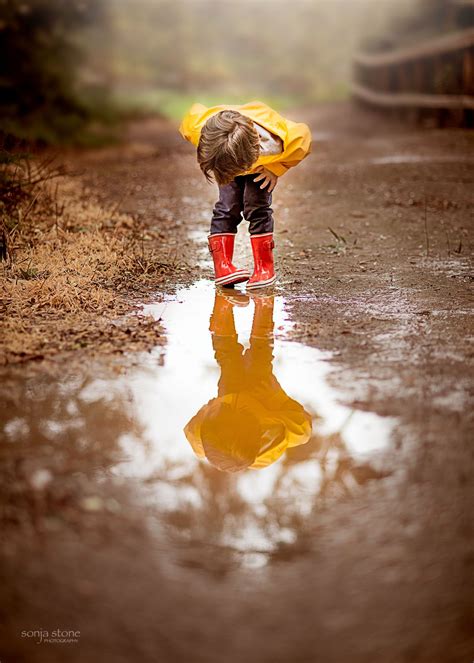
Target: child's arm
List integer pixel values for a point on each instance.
(297, 143)
(297, 147)
(190, 125)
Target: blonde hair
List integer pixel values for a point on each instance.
(229, 145)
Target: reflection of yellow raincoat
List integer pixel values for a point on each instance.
(252, 421)
(296, 136)
(275, 411)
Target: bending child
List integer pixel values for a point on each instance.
(245, 149)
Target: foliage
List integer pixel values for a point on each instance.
(38, 67)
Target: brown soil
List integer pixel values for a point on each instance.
(374, 264)
(71, 268)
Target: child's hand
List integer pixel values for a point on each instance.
(269, 179)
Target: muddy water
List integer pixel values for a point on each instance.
(396, 159)
(231, 436)
(243, 432)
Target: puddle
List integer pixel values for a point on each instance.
(231, 434)
(416, 158)
(243, 434)
(322, 136)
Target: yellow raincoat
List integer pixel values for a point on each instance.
(296, 136)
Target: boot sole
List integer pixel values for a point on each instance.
(261, 284)
(236, 277)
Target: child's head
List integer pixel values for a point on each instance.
(229, 145)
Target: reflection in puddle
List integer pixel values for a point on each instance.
(233, 436)
(252, 421)
(416, 158)
(243, 404)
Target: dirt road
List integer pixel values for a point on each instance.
(374, 236)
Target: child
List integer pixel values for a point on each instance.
(252, 421)
(246, 148)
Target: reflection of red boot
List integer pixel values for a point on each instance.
(264, 272)
(262, 325)
(222, 248)
(222, 318)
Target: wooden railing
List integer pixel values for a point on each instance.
(435, 76)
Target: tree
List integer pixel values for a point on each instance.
(38, 65)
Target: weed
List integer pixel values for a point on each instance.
(340, 245)
(71, 263)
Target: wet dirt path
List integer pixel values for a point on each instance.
(353, 541)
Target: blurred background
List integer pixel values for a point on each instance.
(68, 65)
(373, 235)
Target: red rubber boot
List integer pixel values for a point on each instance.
(222, 248)
(264, 272)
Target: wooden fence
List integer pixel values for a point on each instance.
(435, 77)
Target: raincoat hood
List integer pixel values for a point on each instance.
(284, 427)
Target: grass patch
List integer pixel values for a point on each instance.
(70, 267)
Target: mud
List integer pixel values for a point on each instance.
(356, 543)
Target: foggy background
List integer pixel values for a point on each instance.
(166, 53)
(65, 64)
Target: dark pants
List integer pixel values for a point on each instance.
(243, 196)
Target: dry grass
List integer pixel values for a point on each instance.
(70, 269)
